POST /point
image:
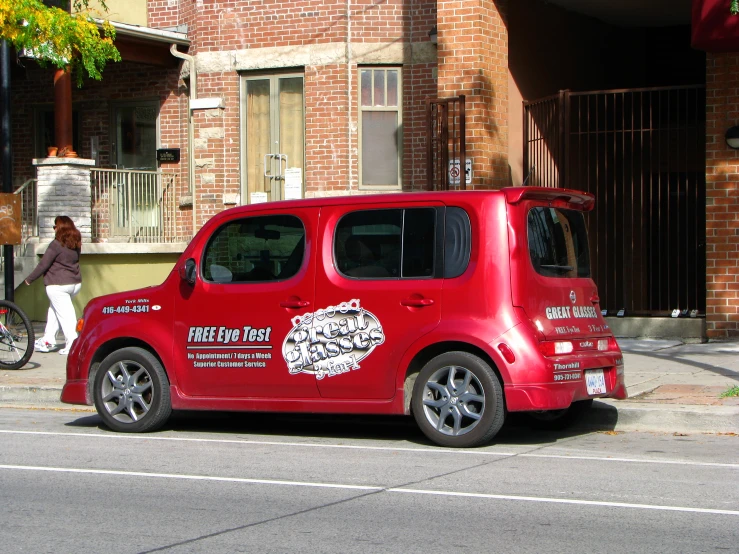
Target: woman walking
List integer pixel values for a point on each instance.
(60, 266)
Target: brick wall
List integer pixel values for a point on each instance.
(722, 197)
(331, 117)
(473, 60)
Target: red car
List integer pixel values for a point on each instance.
(456, 307)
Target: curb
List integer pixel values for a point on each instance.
(30, 395)
(606, 415)
(620, 415)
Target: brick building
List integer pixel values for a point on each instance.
(262, 101)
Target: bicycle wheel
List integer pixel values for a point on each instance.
(16, 336)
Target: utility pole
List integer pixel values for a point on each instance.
(6, 158)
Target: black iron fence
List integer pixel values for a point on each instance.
(445, 141)
(642, 153)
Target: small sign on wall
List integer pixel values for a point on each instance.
(168, 155)
(293, 183)
(455, 171)
(10, 218)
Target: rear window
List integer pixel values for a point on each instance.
(558, 242)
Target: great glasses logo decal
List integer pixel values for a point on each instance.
(331, 341)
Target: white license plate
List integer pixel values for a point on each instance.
(595, 380)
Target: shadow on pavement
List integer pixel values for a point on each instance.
(713, 368)
(516, 430)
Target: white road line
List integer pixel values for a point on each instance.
(191, 477)
(370, 488)
(571, 501)
(458, 451)
(630, 460)
(261, 443)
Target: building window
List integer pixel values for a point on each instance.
(44, 130)
(380, 127)
(134, 140)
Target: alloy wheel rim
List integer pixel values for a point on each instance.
(127, 391)
(453, 400)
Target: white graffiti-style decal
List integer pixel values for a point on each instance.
(331, 341)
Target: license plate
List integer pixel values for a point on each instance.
(595, 380)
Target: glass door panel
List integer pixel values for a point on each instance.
(274, 122)
(136, 191)
(258, 140)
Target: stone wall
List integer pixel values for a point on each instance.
(63, 188)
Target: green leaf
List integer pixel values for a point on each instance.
(59, 38)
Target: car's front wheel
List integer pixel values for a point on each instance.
(131, 391)
(458, 400)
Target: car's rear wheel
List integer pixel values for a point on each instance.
(131, 391)
(458, 400)
(555, 420)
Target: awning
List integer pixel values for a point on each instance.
(148, 45)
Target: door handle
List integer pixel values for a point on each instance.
(294, 304)
(416, 302)
(280, 176)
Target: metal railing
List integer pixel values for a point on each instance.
(29, 211)
(642, 153)
(445, 142)
(134, 206)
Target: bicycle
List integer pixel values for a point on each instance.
(16, 336)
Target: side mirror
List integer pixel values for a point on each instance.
(189, 271)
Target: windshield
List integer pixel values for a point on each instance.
(558, 242)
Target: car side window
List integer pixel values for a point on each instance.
(395, 243)
(255, 249)
(457, 242)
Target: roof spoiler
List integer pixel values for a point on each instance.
(574, 199)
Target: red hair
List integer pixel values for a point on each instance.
(66, 233)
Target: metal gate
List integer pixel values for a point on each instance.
(445, 142)
(642, 153)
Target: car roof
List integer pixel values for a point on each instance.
(512, 195)
(366, 199)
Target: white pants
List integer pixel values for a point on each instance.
(61, 313)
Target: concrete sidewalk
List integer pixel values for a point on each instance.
(673, 387)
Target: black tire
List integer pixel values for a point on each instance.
(458, 400)
(556, 420)
(131, 391)
(16, 336)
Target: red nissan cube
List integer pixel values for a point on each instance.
(455, 307)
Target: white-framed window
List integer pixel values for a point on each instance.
(380, 127)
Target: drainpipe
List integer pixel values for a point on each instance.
(190, 146)
(349, 92)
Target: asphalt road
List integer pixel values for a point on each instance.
(256, 483)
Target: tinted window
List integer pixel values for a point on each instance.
(377, 244)
(457, 242)
(254, 249)
(558, 242)
(418, 242)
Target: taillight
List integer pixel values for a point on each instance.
(80, 324)
(607, 344)
(556, 348)
(559, 347)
